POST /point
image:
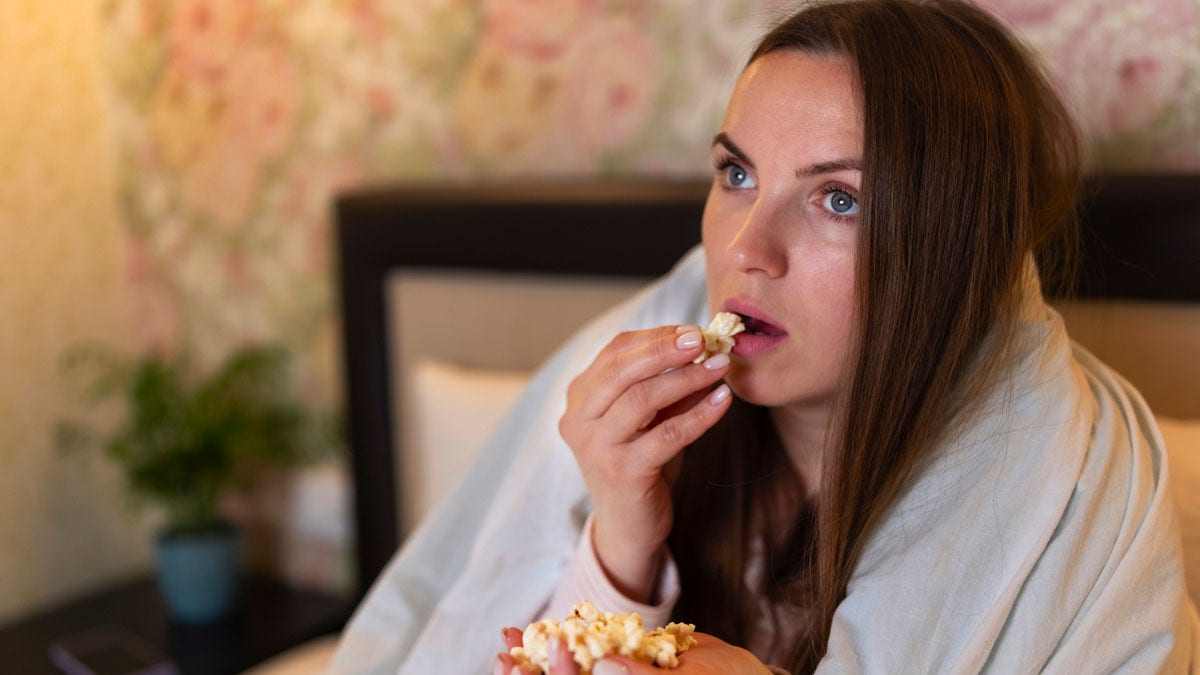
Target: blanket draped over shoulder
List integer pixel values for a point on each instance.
(1040, 538)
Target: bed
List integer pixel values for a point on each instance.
(452, 295)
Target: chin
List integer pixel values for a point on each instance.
(764, 389)
(754, 390)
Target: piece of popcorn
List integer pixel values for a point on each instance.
(718, 338)
(591, 635)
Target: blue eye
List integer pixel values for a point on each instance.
(737, 177)
(841, 203)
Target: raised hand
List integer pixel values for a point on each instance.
(629, 415)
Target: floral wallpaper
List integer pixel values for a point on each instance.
(239, 120)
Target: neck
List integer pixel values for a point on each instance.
(802, 429)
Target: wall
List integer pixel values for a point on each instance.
(166, 169)
(64, 526)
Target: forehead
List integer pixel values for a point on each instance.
(796, 97)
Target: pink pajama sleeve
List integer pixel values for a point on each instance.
(587, 580)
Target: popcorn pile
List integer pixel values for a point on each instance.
(591, 635)
(718, 339)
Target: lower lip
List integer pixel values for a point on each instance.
(756, 345)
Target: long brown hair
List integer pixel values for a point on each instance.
(971, 164)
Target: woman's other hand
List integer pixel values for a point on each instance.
(709, 656)
(561, 661)
(629, 415)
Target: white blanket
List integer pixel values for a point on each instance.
(1041, 539)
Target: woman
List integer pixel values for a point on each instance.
(915, 471)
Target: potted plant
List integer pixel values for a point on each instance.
(183, 441)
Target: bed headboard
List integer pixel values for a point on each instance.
(521, 248)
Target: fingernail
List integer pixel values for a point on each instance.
(689, 340)
(716, 361)
(607, 667)
(684, 329)
(719, 394)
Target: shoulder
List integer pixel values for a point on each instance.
(1044, 522)
(1116, 555)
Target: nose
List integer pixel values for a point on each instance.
(756, 246)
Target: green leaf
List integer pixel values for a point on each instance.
(185, 439)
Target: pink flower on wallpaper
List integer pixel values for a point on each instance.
(261, 97)
(369, 21)
(1023, 13)
(537, 28)
(183, 117)
(505, 105)
(305, 203)
(151, 17)
(239, 273)
(219, 133)
(222, 184)
(381, 101)
(1124, 65)
(610, 86)
(204, 35)
(156, 306)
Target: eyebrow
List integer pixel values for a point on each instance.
(724, 139)
(829, 167)
(817, 169)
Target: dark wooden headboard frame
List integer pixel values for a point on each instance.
(1141, 241)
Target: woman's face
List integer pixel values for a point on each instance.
(780, 226)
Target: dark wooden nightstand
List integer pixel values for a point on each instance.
(272, 618)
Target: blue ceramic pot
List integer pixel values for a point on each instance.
(198, 573)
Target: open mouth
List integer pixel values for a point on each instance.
(756, 326)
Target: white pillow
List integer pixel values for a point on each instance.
(455, 409)
(1183, 456)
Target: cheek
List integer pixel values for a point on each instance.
(830, 313)
(840, 292)
(841, 311)
(843, 323)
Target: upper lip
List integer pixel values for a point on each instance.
(746, 308)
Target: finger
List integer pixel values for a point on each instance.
(609, 377)
(681, 406)
(610, 371)
(503, 664)
(621, 665)
(643, 404)
(634, 338)
(513, 637)
(658, 445)
(562, 662)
